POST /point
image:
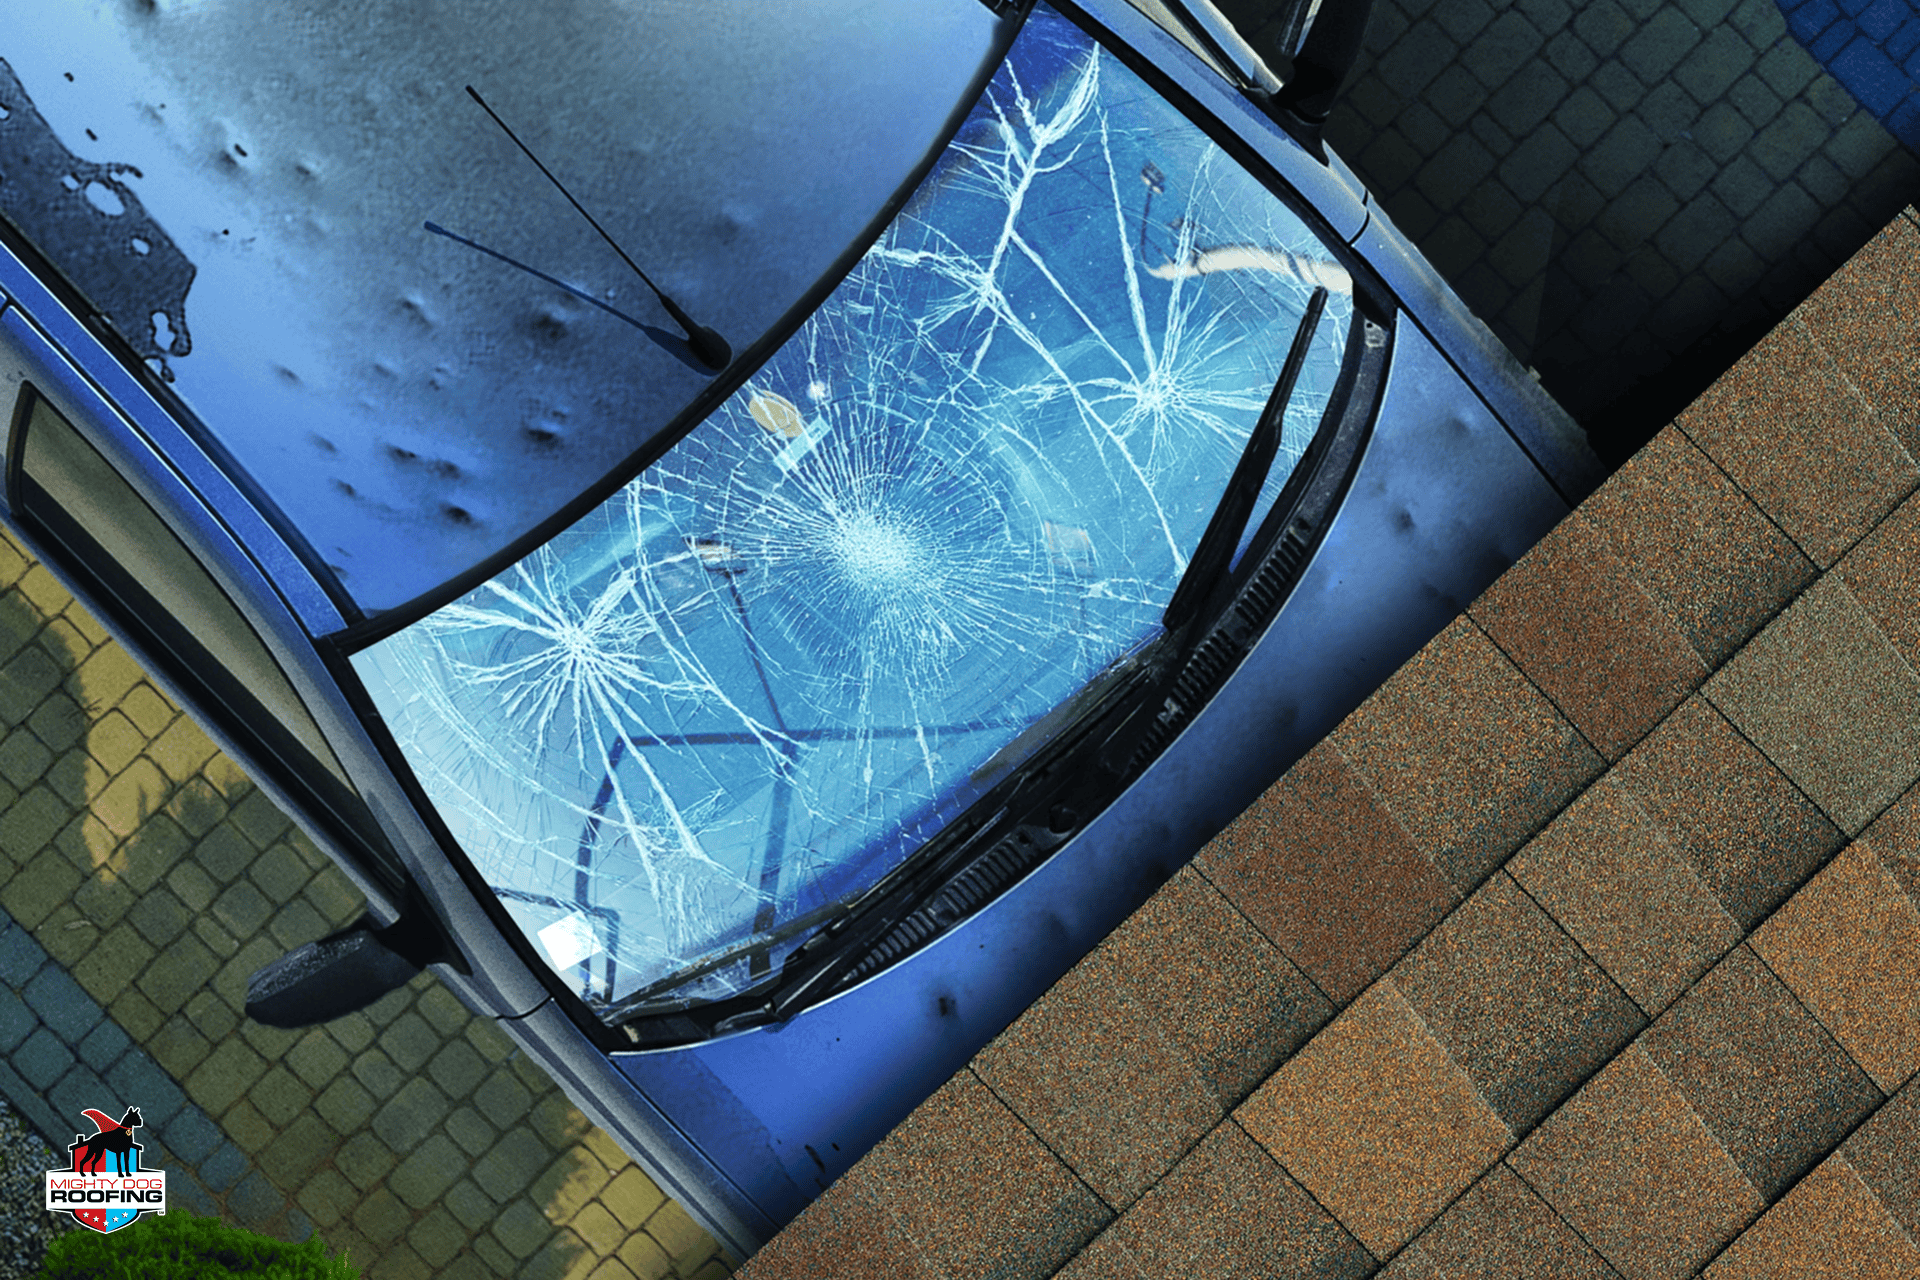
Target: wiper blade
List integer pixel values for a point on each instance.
(1215, 552)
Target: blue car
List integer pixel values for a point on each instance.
(755, 533)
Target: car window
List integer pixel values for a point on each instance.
(780, 659)
(161, 592)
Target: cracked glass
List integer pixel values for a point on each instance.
(683, 732)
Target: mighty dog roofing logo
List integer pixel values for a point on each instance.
(97, 1198)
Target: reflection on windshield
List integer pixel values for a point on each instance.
(763, 673)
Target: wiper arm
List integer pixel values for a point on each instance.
(1215, 552)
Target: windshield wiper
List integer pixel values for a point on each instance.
(1214, 555)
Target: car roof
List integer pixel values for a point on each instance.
(411, 404)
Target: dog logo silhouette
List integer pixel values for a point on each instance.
(106, 1188)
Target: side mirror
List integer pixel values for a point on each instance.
(1319, 63)
(340, 974)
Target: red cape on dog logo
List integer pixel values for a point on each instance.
(106, 1188)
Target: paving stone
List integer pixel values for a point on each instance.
(1454, 171)
(1759, 104)
(103, 1045)
(250, 1130)
(1417, 57)
(160, 917)
(381, 1217)
(378, 1073)
(211, 1016)
(1604, 26)
(1709, 70)
(1629, 1166)
(1322, 867)
(1848, 944)
(472, 1206)
(1525, 100)
(136, 1013)
(427, 1172)
(1571, 56)
(1499, 51)
(1464, 21)
(1767, 1080)
(1376, 1121)
(1784, 143)
(1829, 1216)
(1620, 156)
(473, 1134)
(680, 1237)
(598, 1229)
(1540, 160)
(228, 1072)
(1607, 872)
(42, 885)
(1684, 169)
(221, 1170)
(415, 1111)
(437, 1237)
(514, 1162)
(306, 1143)
(631, 1197)
(60, 1002)
(574, 1178)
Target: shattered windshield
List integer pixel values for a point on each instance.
(775, 663)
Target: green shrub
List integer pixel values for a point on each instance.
(179, 1246)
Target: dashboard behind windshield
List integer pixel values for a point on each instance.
(773, 665)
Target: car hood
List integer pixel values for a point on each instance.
(243, 191)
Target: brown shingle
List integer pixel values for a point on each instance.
(974, 1192)
(1628, 1165)
(1515, 1002)
(1766, 1078)
(1324, 870)
(1848, 944)
(1696, 544)
(1822, 692)
(848, 1232)
(1828, 1225)
(1499, 1228)
(1228, 1210)
(1885, 1151)
(1225, 994)
(1883, 573)
(1896, 838)
(1576, 623)
(1100, 1081)
(1606, 871)
(1376, 1121)
(1801, 442)
(1866, 316)
(1468, 756)
(1747, 830)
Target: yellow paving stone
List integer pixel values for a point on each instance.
(43, 590)
(31, 822)
(644, 1257)
(218, 940)
(181, 749)
(114, 741)
(78, 779)
(327, 1197)
(304, 1146)
(345, 1104)
(467, 1202)
(86, 624)
(437, 1237)
(250, 1130)
(192, 885)
(107, 970)
(149, 710)
(612, 1269)
(380, 1217)
(138, 1016)
(575, 1177)
(31, 894)
(468, 1129)
(400, 1262)
(228, 1072)
(495, 1255)
(67, 935)
(561, 1257)
(316, 1059)
(521, 1228)
(600, 1229)
(211, 1016)
(108, 675)
(281, 1097)
(105, 900)
(364, 1159)
(632, 1197)
(679, 1235)
(177, 1046)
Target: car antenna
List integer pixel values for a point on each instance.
(710, 347)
